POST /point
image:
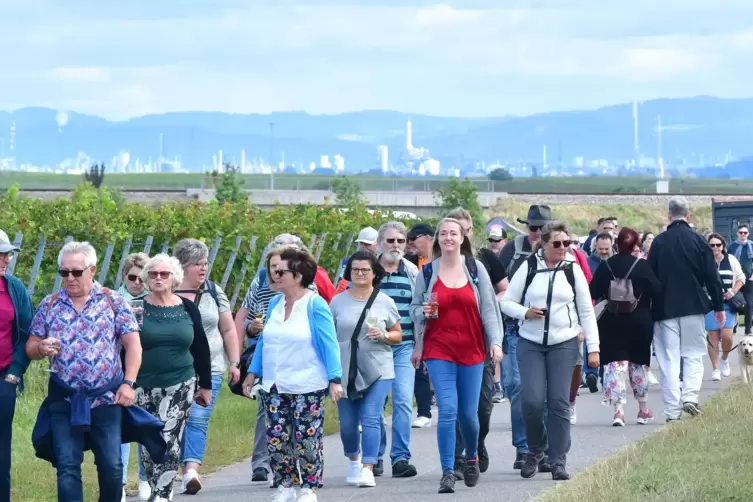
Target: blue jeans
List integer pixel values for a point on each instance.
(511, 382)
(125, 456)
(195, 436)
(458, 389)
(365, 411)
(68, 445)
(402, 405)
(7, 410)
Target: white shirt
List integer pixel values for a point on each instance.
(290, 360)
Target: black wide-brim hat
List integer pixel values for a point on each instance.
(538, 216)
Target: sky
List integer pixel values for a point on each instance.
(466, 58)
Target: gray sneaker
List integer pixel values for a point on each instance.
(692, 409)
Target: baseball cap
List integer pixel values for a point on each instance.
(497, 234)
(5, 244)
(368, 235)
(419, 230)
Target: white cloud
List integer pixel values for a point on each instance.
(80, 74)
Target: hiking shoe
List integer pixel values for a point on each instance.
(573, 416)
(403, 469)
(483, 457)
(725, 368)
(459, 465)
(559, 473)
(592, 381)
(544, 465)
(379, 468)
(692, 409)
(421, 423)
(716, 376)
(531, 462)
(260, 474)
(645, 416)
(619, 419)
(447, 483)
(520, 459)
(497, 394)
(471, 473)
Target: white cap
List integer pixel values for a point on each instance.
(368, 235)
(5, 244)
(496, 233)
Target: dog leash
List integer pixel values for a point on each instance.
(722, 351)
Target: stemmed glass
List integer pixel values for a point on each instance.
(56, 345)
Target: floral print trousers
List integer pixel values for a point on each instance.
(295, 430)
(615, 388)
(171, 405)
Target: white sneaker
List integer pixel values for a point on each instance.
(421, 423)
(716, 375)
(353, 474)
(652, 380)
(284, 495)
(190, 483)
(307, 495)
(123, 498)
(725, 368)
(573, 416)
(366, 479)
(145, 491)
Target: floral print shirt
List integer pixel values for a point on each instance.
(90, 340)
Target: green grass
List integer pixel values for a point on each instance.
(580, 184)
(704, 459)
(231, 435)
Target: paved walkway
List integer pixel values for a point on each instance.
(593, 438)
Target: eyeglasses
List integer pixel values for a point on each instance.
(392, 241)
(202, 265)
(742, 232)
(74, 273)
(360, 271)
(534, 228)
(559, 244)
(716, 244)
(281, 271)
(134, 278)
(162, 274)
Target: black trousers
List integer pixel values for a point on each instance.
(485, 408)
(748, 295)
(422, 391)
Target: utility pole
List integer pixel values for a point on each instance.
(271, 149)
(660, 159)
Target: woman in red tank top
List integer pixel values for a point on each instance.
(455, 344)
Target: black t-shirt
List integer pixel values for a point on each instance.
(493, 266)
(507, 254)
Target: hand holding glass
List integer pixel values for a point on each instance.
(53, 345)
(431, 306)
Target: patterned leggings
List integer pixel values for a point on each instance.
(295, 429)
(172, 406)
(615, 390)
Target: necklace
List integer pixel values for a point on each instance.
(360, 297)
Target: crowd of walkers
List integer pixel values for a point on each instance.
(418, 312)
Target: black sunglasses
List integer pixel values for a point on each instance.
(495, 240)
(134, 278)
(392, 241)
(74, 273)
(716, 244)
(559, 244)
(281, 271)
(535, 228)
(163, 274)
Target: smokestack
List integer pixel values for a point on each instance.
(636, 147)
(243, 160)
(408, 135)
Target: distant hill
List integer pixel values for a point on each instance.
(701, 125)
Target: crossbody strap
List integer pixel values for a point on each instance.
(352, 369)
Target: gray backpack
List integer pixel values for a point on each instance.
(621, 297)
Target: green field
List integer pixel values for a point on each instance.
(584, 184)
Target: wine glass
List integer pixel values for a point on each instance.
(56, 345)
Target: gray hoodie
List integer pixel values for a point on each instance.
(488, 308)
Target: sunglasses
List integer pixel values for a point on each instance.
(392, 241)
(559, 244)
(134, 278)
(281, 271)
(360, 271)
(495, 240)
(534, 228)
(153, 274)
(742, 232)
(716, 244)
(74, 273)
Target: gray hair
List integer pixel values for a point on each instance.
(678, 207)
(73, 247)
(159, 259)
(391, 224)
(287, 240)
(550, 229)
(190, 252)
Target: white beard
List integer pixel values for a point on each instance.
(393, 256)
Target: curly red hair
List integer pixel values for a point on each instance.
(627, 239)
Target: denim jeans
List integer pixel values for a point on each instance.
(365, 411)
(68, 445)
(402, 405)
(195, 436)
(485, 409)
(511, 383)
(125, 456)
(7, 410)
(457, 389)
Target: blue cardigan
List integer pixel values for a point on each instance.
(323, 335)
(24, 313)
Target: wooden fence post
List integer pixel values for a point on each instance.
(37, 263)
(58, 279)
(231, 262)
(106, 263)
(123, 256)
(148, 244)
(16, 242)
(213, 254)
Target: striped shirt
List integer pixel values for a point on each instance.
(397, 286)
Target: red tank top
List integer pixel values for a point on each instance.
(456, 335)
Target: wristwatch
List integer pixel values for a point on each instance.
(129, 383)
(12, 378)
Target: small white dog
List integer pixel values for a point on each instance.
(746, 359)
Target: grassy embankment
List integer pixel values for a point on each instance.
(230, 440)
(695, 460)
(584, 184)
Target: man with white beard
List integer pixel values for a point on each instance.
(398, 284)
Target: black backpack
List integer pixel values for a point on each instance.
(209, 287)
(567, 268)
(470, 264)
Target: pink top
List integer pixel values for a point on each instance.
(7, 315)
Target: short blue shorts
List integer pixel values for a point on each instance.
(729, 320)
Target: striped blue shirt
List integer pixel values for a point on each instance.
(397, 286)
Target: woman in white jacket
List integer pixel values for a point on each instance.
(550, 296)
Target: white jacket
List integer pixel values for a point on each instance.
(567, 312)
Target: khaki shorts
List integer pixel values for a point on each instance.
(579, 361)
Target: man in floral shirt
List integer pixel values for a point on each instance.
(81, 329)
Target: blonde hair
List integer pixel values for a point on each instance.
(134, 260)
(547, 231)
(465, 247)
